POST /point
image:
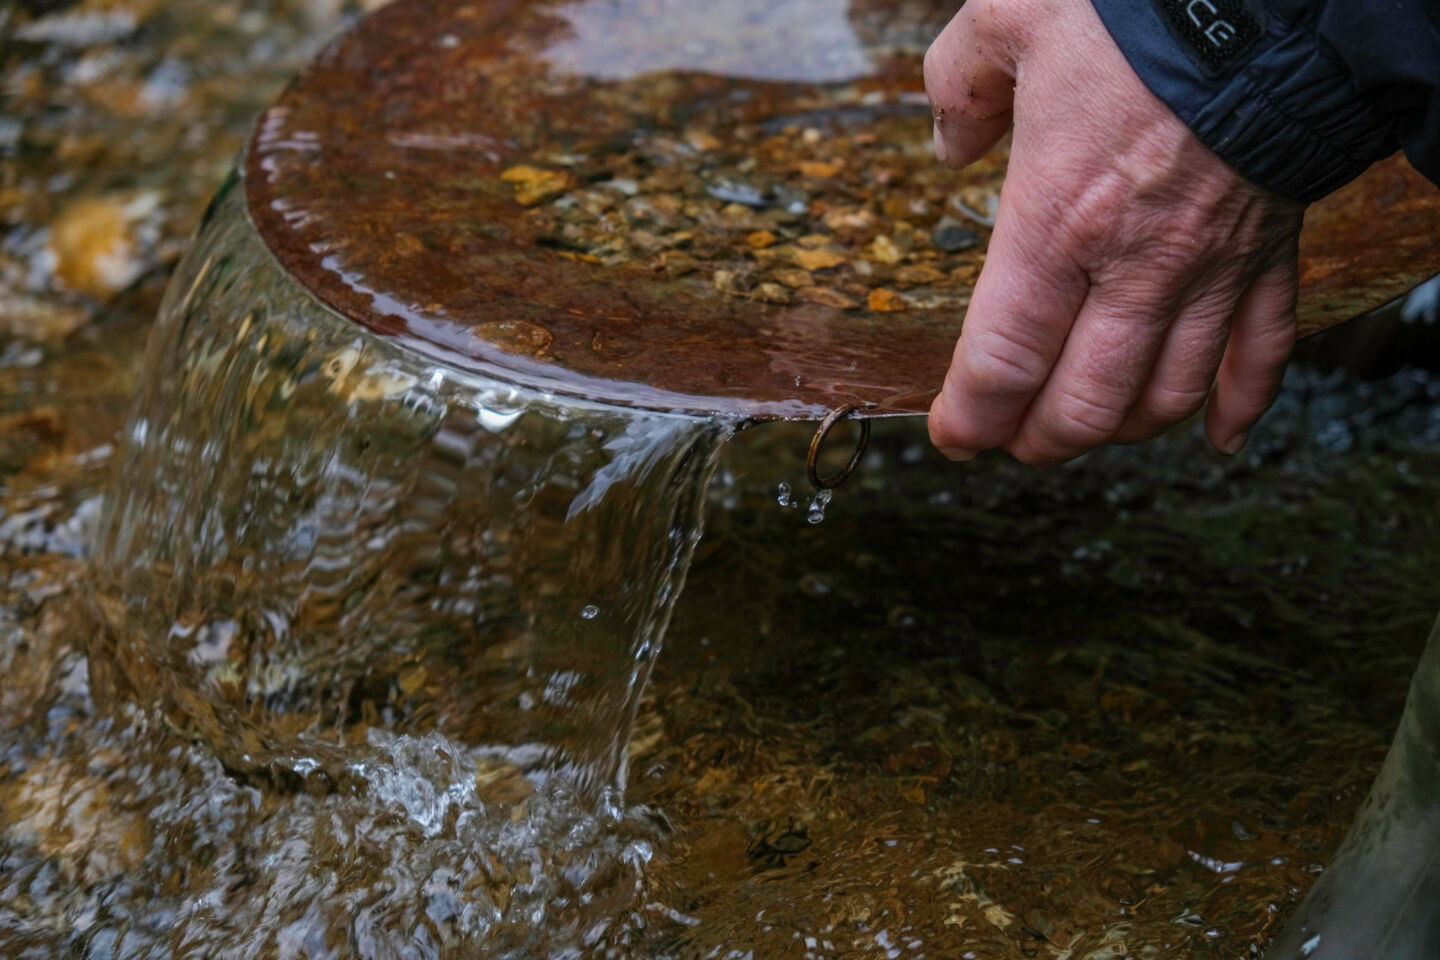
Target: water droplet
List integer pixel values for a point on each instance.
(784, 499)
(1310, 946)
(818, 505)
(590, 612)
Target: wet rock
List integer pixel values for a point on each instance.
(919, 275)
(818, 169)
(886, 301)
(677, 264)
(818, 259)
(702, 140)
(977, 203)
(96, 245)
(849, 220)
(952, 236)
(761, 239)
(741, 193)
(39, 320)
(533, 184)
(886, 250)
(516, 336)
(734, 281)
(73, 818)
(80, 28)
(772, 293)
(795, 278)
(826, 297)
(791, 201)
(622, 185)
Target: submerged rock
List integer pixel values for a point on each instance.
(951, 236)
(97, 243)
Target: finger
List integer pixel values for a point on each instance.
(971, 92)
(1020, 314)
(1106, 361)
(1184, 372)
(1254, 364)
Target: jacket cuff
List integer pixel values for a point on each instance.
(1267, 97)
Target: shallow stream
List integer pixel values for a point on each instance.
(1125, 708)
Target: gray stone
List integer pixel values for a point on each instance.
(952, 236)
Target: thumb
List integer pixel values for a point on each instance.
(971, 91)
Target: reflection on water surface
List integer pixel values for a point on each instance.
(620, 39)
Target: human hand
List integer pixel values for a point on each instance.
(1132, 273)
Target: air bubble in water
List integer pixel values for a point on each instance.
(590, 612)
(785, 499)
(817, 507)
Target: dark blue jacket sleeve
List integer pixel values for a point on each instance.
(1299, 96)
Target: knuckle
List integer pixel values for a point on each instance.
(1092, 210)
(1171, 264)
(1004, 363)
(1081, 421)
(1165, 405)
(1067, 213)
(1141, 300)
(1151, 280)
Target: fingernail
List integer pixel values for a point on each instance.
(958, 454)
(939, 143)
(1235, 444)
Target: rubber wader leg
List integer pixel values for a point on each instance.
(1379, 899)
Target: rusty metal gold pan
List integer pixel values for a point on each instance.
(729, 207)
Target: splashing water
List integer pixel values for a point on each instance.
(818, 503)
(356, 581)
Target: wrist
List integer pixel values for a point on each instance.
(1268, 98)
